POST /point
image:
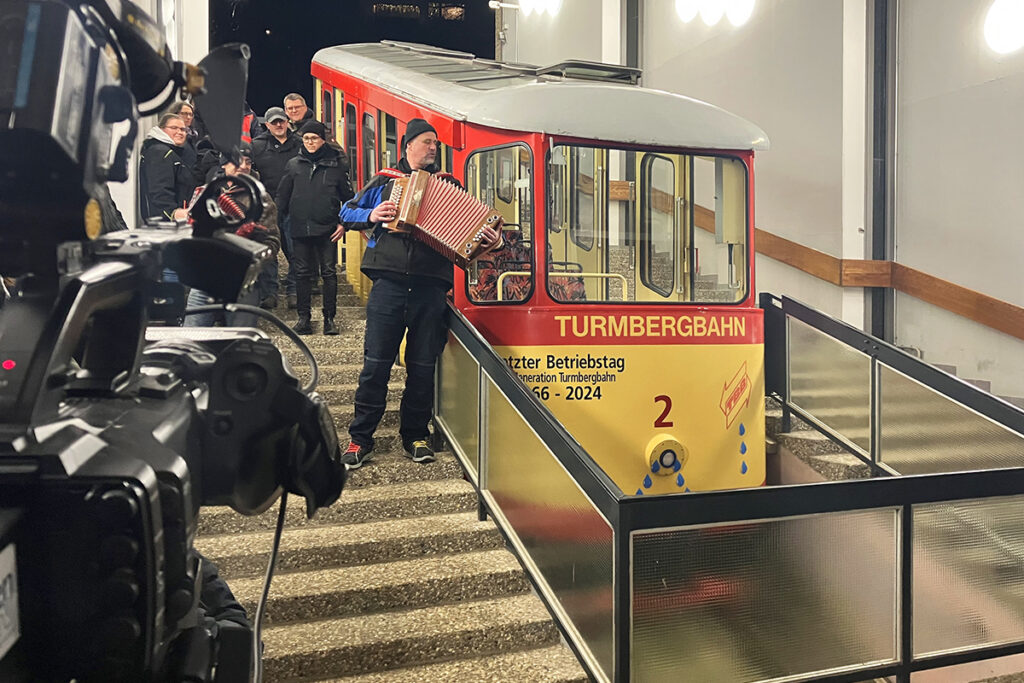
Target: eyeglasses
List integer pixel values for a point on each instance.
(311, 138)
(295, 108)
(180, 129)
(186, 114)
(278, 122)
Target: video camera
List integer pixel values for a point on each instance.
(113, 433)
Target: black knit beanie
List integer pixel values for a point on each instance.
(414, 129)
(313, 126)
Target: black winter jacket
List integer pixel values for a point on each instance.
(311, 194)
(395, 255)
(165, 183)
(270, 157)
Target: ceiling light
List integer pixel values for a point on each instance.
(552, 6)
(687, 9)
(711, 11)
(739, 11)
(1004, 26)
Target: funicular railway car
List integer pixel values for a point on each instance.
(624, 297)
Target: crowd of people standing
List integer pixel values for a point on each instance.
(307, 180)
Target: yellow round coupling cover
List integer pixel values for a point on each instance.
(93, 219)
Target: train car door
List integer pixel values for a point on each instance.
(323, 107)
(369, 158)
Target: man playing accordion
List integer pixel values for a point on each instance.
(410, 281)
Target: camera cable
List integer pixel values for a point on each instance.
(257, 632)
(266, 315)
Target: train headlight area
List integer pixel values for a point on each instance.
(632, 480)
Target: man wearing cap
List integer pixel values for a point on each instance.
(410, 281)
(314, 186)
(271, 151)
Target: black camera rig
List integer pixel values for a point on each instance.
(114, 433)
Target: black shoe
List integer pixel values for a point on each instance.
(420, 451)
(355, 455)
(293, 301)
(330, 328)
(304, 326)
(269, 304)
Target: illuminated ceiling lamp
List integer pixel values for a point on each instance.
(1004, 26)
(552, 6)
(712, 11)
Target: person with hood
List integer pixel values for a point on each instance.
(314, 186)
(408, 297)
(165, 183)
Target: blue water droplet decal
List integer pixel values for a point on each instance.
(655, 467)
(743, 430)
(743, 448)
(647, 482)
(743, 467)
(686, 490)
(679, 480)
(639, 492)
(677, 466)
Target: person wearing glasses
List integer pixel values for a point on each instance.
(314, 187)
(297, 111)
(165, 183)
(271, 152)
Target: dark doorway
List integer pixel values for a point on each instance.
(284, 34)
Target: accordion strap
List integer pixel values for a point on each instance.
(391, 173)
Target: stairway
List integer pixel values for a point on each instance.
(398, 580)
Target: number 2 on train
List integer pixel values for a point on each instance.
(661, 421)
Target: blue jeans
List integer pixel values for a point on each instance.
(393, 308)
(198, 297)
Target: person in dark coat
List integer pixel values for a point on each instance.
(189, 155)
(314, 186)
(165, 183)
(271, 152)
(297, 111)
(410, 281)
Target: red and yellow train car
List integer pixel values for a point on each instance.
(624, 297)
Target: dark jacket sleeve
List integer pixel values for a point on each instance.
(160, 163)
(284, 189)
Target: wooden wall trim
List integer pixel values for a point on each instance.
(980, 308)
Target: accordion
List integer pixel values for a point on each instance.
(443, 216)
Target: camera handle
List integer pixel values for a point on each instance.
(98, 316)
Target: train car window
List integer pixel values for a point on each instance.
(448, 155)
(659, 211)
(351, 123)
(584, 194)
(339, 117)
(327, 113)
(390, 155)
(369, 147)
(504, 275)
(717, 210)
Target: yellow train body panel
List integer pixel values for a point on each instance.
(627, 405)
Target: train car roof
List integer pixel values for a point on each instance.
(578, 99)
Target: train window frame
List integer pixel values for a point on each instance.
(575, 232)
(390, 154)
(369, 156)
(327, 109)
(352, 137)
(529, 207)
(646, 255)
(339, 117)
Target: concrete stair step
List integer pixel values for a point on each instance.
(357, 505)
(352, 544)
(334, 356)
(391, 468)
(543, 665)
(345, 373)
(391, 640)
(401, 584)
(344, 395)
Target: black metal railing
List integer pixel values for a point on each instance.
(779, 566)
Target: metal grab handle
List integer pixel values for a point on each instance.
(501, 280)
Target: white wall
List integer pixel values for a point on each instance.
(782, 70)
(573, 33)
(960, 183)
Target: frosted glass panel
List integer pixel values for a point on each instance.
(459, 388)
(831, 381)
(565, 536)
(763, 600)
(924, 431)
(968, 574)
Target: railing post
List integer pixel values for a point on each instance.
(481, 443)
(906, 624)
(622, 606)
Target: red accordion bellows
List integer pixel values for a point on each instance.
(447, 218)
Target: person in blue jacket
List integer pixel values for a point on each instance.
(410, 281)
